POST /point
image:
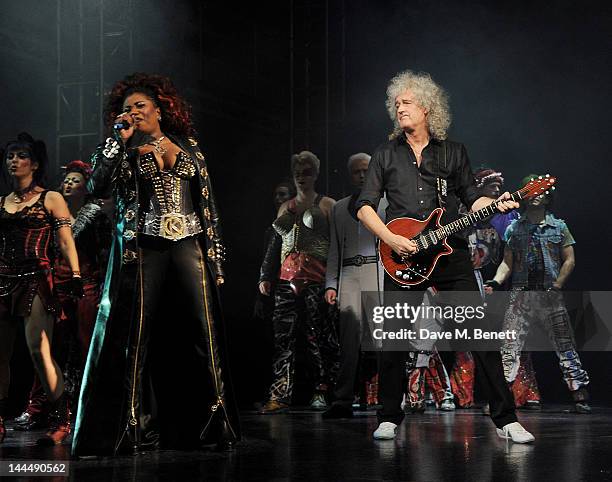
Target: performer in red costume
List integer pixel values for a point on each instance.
(72, 333)
(28, 218)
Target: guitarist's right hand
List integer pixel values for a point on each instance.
(401, 245)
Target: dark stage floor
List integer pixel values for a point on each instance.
(430, 447)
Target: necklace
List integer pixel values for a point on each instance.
(158, 147)
(19, 195)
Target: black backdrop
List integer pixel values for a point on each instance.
(529, 86)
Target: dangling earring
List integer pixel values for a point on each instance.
(158, 118)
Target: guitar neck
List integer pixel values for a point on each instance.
(473, 218)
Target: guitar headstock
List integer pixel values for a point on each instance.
(538, 185)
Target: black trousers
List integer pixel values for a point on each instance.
(309, 310)
(452, 273)
(181, 262)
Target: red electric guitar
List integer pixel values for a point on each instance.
(430, 236)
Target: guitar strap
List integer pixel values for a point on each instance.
(440, 181)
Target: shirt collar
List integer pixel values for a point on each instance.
(549, 219)
(401, 139)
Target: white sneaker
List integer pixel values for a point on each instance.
(385, 431)
(515, 432)
(447, 405)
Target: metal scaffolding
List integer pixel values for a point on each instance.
(91, 36)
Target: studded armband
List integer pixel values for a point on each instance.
(59, 223)
(111, 148)
(217, 252)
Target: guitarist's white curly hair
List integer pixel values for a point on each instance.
(428, 94)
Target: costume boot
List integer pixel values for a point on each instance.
(371, 387)
(581, 399)
(218, 428)
(59, 422)
(227, 439)
(35, 414)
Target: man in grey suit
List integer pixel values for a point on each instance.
(352, 267)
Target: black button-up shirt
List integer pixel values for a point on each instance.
(411, 190)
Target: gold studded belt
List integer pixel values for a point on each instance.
(172, 226)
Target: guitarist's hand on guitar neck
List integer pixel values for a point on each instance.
(506, 205)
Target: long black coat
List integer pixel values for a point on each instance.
(102, 413)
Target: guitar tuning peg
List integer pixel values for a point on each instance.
(547, 175)
(553, 188)
(546, 192)
(539, 177)
(398, 273)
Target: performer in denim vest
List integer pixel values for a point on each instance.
(539, 256)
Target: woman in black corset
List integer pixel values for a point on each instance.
(156, 371)
(29, 216)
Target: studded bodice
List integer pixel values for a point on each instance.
(307, 233)
(170, 213)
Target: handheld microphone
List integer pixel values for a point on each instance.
(122, 125)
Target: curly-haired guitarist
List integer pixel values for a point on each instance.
(419, 170)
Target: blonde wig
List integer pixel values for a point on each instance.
(305, 157)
